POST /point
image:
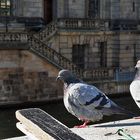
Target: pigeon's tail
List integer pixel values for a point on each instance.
(130, 114)
(122, 111)
(115, 109)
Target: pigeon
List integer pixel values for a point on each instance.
(135, 85)
(86, 102)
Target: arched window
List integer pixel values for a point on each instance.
(5, 7)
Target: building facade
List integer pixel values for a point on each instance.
(97, 39)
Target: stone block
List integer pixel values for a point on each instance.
(43, 75)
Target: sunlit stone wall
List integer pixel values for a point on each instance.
(25, 77)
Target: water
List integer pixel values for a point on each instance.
(8, 120)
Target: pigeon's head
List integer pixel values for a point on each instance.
(67, 77)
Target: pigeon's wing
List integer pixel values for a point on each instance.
(87, 95)
(90, 97)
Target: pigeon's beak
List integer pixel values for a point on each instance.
(58, 78)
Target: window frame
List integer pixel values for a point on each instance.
(5, 7)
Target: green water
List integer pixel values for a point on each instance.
(8, 120)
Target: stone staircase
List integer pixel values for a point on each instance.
(38, 43)
(48, 32)
(55, 58)
(31, 42)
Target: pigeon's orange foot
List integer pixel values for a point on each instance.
(83, 125)
(80, 126)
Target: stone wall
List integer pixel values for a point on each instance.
(28, 8)
(25, 77)
(77, 8)
(122, 9)
(114, 88)
(108, 9)
(119, 9)
(129, 9)
(120, 47)
(71, 9)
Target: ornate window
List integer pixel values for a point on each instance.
(5, 7)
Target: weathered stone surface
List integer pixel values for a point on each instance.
(130, 129)
(27, 78)
(43, 126)
(28, 8)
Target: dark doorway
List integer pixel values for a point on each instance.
(94, 9)
(78, 55)
(48, 4)
(103, 53)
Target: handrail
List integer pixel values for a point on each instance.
(74, 23)
(49, 31)
(100, 74)
(52, 56)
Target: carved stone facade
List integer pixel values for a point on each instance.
(100, 36)
(99, 49)
(27, 8)
(103, 9)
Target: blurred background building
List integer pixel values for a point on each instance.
(99, 40)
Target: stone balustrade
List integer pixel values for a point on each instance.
(99, 74)
(22, 37)
(83, 24)
(50, 29)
